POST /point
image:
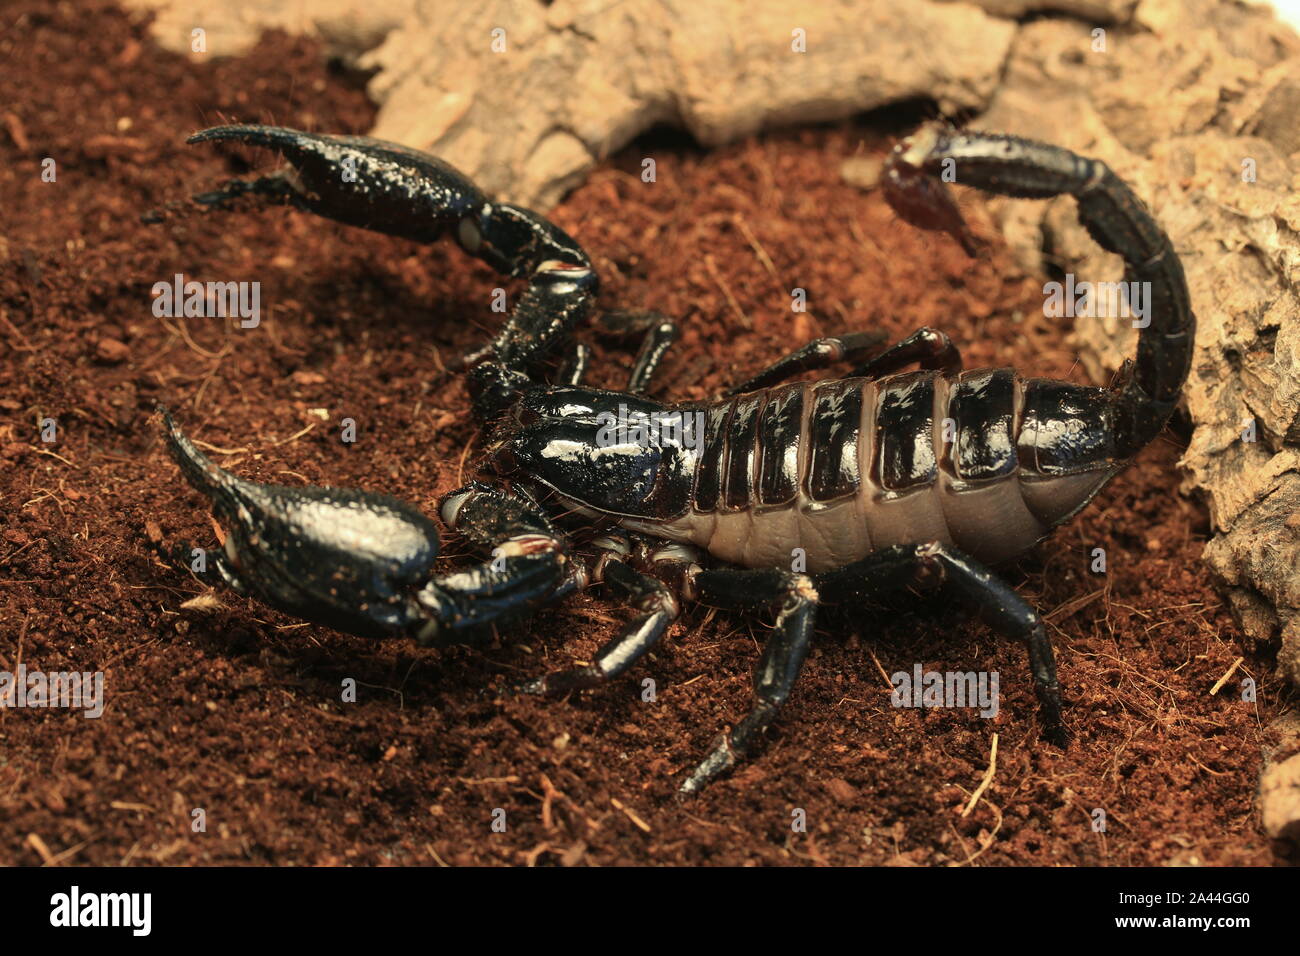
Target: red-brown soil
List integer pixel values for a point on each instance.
(237, 710)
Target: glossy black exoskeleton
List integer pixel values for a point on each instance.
(884, 480)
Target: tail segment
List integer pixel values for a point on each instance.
(1117, 220)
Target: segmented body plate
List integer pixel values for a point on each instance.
(983, 460)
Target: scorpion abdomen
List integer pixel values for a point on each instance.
(982, 460)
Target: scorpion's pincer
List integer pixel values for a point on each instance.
(349, 559)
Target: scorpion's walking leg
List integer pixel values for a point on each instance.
(778, 668)
(817, 354)
(575, 369)
(658, 339)
(657, 607)
(936, 564)
(660, 333)
(1011, 614)
(929, 348)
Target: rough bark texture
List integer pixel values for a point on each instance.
(232, 27)
(527, 98)
(1279, 785)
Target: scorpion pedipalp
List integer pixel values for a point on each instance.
(404, 192)
(337, 556)
(362, 562)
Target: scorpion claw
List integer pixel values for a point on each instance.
(359, 181)
(344, 558)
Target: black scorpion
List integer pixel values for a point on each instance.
(856, 472)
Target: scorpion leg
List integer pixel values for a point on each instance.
(936, 564)
(575, 370)
(658, 339)
(929, 348)
(651, 596)
(658, 609)
(819, 353)
(777, 669)
(658, 334)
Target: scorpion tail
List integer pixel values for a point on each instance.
(1148, 389)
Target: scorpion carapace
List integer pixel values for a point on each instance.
(835, 491)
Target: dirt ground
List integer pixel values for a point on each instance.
(237, 710)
